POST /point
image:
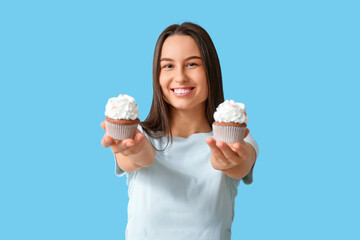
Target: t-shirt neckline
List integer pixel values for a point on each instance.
(193, 135)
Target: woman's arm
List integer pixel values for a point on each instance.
(234, 159)
(244, 167)
(141, 155)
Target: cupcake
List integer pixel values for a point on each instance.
(230, 122)
(122, 117)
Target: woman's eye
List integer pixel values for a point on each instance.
(192, 64)
(167, 66)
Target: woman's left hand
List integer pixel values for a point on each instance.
(227, 155)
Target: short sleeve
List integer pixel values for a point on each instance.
(234, 183)
(248, 179)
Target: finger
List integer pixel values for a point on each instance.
(212, 143)
(210, 140)
(128, 142)
(229, 154)
(129, 146)
(103, 125)
(133, 146)
(216, 151)
(134, 142)
(106, 141)
(118, 146)
(235, 146)
(139, 137)
(240, 149)
(247, 131)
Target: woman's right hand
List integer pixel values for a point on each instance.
(130, 154)
(127, 146)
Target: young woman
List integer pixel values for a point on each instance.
(182, 183)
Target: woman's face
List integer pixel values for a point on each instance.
(182, 75)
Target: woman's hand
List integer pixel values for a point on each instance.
(130, 154)
(233, 158)
(127, 146)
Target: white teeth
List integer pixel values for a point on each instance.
(181, 91)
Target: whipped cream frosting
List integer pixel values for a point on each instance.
(122, 107)
(231, 111)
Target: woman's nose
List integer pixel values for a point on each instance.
(180, 75)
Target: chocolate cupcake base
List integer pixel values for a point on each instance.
(229, 132)
(121, 129)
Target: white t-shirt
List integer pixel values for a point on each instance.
(181, 196)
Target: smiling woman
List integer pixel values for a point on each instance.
(189, 190)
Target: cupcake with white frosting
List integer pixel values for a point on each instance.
(230, 122)
(122, 117)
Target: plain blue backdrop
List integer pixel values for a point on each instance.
(295, 64)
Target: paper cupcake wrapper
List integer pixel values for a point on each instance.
(120, 132)
(229, 134)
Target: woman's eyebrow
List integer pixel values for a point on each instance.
(188, 58)
(192, 57)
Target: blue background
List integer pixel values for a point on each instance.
(295, 64)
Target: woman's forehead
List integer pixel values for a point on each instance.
(179, 47)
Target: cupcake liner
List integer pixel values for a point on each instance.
(120, 132)
(229, 134)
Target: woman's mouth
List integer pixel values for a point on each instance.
(183, 91)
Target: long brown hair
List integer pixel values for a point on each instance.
(157, 123)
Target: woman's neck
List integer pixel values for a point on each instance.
(184, 123)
